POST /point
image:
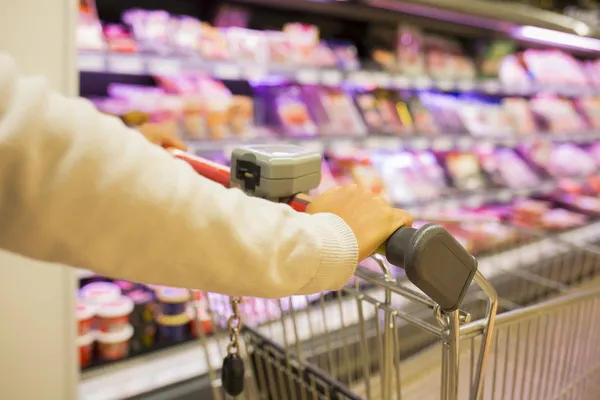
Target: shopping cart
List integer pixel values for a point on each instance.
(281, 351)
(382, 338)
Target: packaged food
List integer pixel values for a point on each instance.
(513, 73)
(519, 115)
(558, 115)
(279, 46)
(554, 67)
(590, 108)
(334, 111)
(247, 45)
(409, 50)
(98, 293)
(304, 40)
(506, 168)
(423, 120)
(85, 315)
(203, 319)
(119, 39)
(151, 30)
(114, 316)
(174, 328)
(173, 301)
(142, 319)
(367, 104)
(85, 343)
(186, 35)
(346, 55)
(464, 171)
(213, 43)
(114, 345)
(89, 34)
(293, 114)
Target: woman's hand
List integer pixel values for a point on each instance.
(371, 219)
(160, 136)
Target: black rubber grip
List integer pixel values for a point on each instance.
(434, 261)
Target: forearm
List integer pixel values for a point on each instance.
(79, 188)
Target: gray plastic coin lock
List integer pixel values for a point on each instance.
(275, 171)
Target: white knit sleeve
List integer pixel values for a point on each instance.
(79, 188)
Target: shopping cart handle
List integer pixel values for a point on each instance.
(434, 261)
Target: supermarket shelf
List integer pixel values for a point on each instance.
(138, 64)
(387, 142)
(148, 373)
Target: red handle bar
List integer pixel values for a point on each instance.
(220, 174)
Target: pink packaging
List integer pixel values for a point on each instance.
(114, 316)
(114, 345)
(85, 315)
(85, 343)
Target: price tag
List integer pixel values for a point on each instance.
(227, 71)
(491, 86)
(307, 76)
(382, 79)
(342, 145)
(254, 71)
(382, 143)
(91, 62)
(419, 144)
(129, 64)
(164, 66)
(401, 82)
(465, 85)
(314, 145)
(423, 82)
(445, 84)
(442, 144)
(331, 77)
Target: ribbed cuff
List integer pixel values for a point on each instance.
(339, 255)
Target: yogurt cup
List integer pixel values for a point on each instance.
(85, 313)
(98, 293)
(173, 328)
(86, 346)
(204, 319)
(114, 316)
(172, 301)
(114, 345)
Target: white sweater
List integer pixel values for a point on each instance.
(80, 188)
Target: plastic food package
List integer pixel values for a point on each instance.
(186, 35)
(519, 115)
(410, 178)
(247, 45)
(561, 160)
(114, 316)
(556, 114)
(114, 345)
(483, 118)
(174, 328)
(590, 107)
(119, 39)
(293, 113)
(409, 50)
(85, 343)
(554, 67)
(172, 301)
(335, 112)
(90, 35)
(151, 30)
(464, 170)
(304, 41)
(98, 293)
(346, 55)
(506, 168)
(85, 313)
(213, 43)
(513, 73)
